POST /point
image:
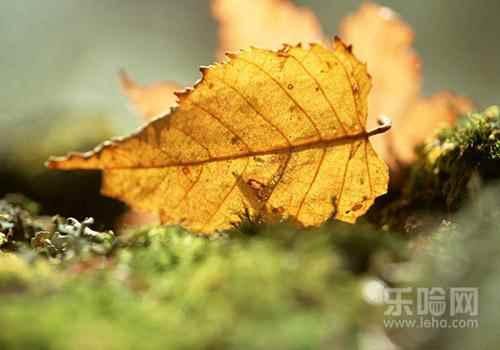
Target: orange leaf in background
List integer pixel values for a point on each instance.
(280, 134)
(447, 106)
(379, 37)
(382, 39)
(263, 23)
(151, 100)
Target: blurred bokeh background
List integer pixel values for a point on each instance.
(59, 62)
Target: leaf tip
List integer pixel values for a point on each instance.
(125, 81)
(50, 163)
(55, 163)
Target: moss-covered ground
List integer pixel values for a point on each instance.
(66, 285)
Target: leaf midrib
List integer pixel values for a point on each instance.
(316, 144)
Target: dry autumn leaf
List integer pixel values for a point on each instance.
(280, 134)
(152, 100)
(379, 37)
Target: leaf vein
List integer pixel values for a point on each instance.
(267, 120)
(227, 127)
(322, 92)
(221, 203)
(320, 163)
(348, 77)
(266, 73)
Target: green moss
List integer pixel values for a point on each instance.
(66, 286)
(457, 154)
(451, 167)
(166, 288)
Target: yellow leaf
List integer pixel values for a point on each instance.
(379, 37)
(280, 134)
(152, 100)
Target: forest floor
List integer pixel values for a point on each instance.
(65, 285)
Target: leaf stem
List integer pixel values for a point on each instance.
(384, 122)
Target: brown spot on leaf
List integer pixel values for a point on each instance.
(278, 210)
(357, 206)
